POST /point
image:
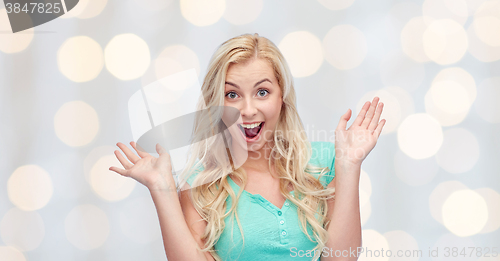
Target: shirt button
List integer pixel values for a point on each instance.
(282, 222)
(286, 204)
(279, 213)
(283, 233)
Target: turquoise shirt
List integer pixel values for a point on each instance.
(271, 233)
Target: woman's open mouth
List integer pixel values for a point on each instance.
(251, 132)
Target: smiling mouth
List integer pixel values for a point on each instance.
(251, 130)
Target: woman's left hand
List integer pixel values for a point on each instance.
(354, 144)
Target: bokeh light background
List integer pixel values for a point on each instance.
(432, 180)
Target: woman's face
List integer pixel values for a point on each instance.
(253, 89)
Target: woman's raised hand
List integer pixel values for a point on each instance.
(354, 144)
(154, 173)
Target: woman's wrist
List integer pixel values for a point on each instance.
(163, 183)
(347, 170)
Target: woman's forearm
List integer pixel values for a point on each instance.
(344, 230)
(177, 238)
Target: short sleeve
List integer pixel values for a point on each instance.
(323, 155)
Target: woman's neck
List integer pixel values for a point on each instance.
(255, 160)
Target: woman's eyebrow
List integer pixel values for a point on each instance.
(259, 82)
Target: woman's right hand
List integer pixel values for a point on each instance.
(154, 173)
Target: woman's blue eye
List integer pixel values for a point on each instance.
(263, 91)
(229, 93)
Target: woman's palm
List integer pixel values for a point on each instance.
(150, 171)
(358, 140)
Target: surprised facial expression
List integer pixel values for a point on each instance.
(253, 89)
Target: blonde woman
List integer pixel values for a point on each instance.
(265, 192)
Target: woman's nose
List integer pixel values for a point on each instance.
(248, 109)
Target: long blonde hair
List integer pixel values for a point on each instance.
(290, 154)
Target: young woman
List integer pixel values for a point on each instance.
(261, 191)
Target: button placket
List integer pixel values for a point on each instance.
(283, 229)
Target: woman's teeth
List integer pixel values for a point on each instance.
(250, 130)
(250, 126)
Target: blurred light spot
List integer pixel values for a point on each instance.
(443, 117)
(446, 9)
(174, 59)
(108, 184)
(414, 172)
(449, 97)
(451, 240)
(403, 242)
(391, 111)
(76, 123)
(492, 199)
(153, 5)
(440, 194)
(169, 89)
(345, 47)
(22, 229)
(127, 56)
(487, 29)
(487, 23)
(93, 156)
(460, 76)
(80, 59)
(302, 64)
(374, 241)
(446, 100)
(445, 41)
(397, 69)
(473, 5)
(10, 253)
(239, 12)
(86, 9)
(459, 152)
(412, 38)
(480, 50)
(487, 105)
(139, 222)
(336, 5)
(420, 136)
(29, 187)
(10, 42)
(87, 227)
(465, 213)
(202, 12)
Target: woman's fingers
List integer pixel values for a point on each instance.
(130, 155)
(344, 119)
(369, 115)
(361, 115)
(375, 120)
(119, 171)
(378, 130)
(141, 153)
(125, 163)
